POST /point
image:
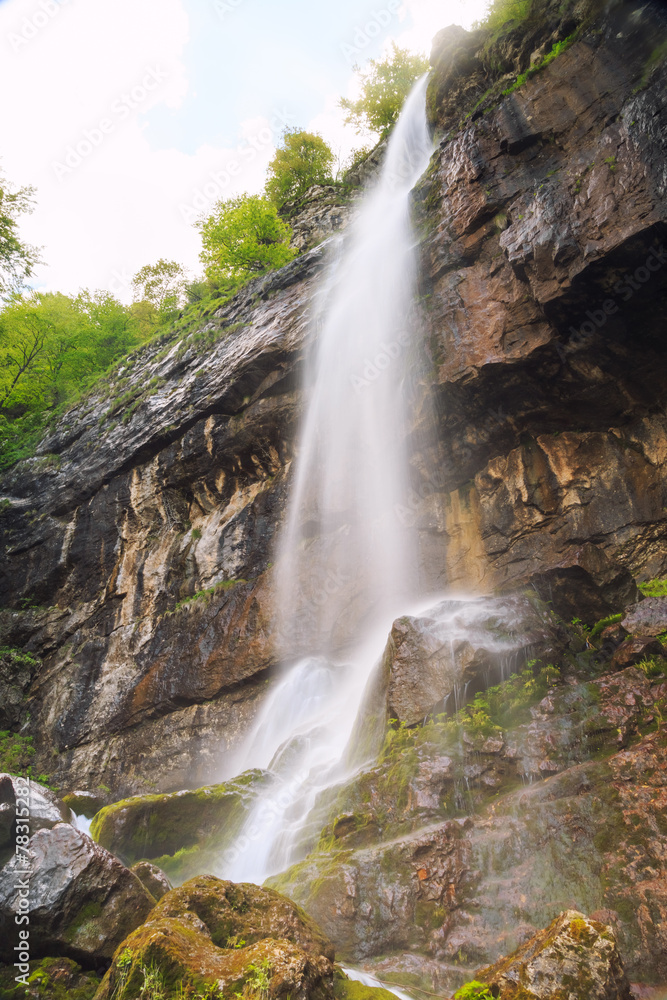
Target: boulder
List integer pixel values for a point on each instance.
(50, 979)
(83, 901)
(573, 959)
(46, 809)
(85, 803)
(635, 649)
(152, 878)
(195, 825)
(456, 644)
(238, 937)
(648, 617)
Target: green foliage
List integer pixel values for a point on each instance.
(603, 623)
(654, 588)
(357, 157)
(257, 981)
(52, 347)
(473, 991)
(203, 595)
(163, 285)
(385, 84)
(653, 666)
(243, 237)
(303, 159)
(15, 754)
(499, 12)
(553, 53)
(17, 259)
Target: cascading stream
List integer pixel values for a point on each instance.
(346, 564)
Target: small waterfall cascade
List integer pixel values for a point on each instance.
(346, 564)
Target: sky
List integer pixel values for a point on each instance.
(131, 118)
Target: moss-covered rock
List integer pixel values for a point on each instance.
(182, 832)
(49, 979)
(573, 959)
(351, 989)
(209, 934)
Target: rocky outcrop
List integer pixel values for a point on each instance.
(185, 832)
(152, 878)
(460, 646)
(81, 900)
(211, 933)
(44, 807)
(573, 958)
(50, 979)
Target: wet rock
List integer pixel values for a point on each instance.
(50, 979)
(85, 803)
(574, 957)
(634, 650)
(214, 932)
(152, 878)
(83, 901)
(182, 832)
(649, 617)
(7, 811)
(17, 670)
(431, 658)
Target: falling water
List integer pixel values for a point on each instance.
(346, 564)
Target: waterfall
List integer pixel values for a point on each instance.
(346, 564)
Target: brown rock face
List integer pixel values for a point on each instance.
(635, 649)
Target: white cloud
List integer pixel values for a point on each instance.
(107, 202)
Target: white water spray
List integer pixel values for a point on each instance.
(346, 563)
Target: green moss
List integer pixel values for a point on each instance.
(177, 829)
(654, 588)
(349, 989)
(557, 49)
(603, 624)
(49, 979)
(87, 915)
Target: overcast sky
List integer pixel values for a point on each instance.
(130, 117)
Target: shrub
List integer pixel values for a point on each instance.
(303, 159)
(243, 237)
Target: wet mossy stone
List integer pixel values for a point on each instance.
(49, 979)
(150, 827)
(210, 933)
(573, 958)
(350, 989)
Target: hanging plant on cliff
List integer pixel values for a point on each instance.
(243, 237)
(303, 159)
(385, 84)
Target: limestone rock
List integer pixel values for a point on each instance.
(214, 932)
(152, 878)
(649, 617)
(575, 957)
(83, 901)
(635, 649)
(431, 658)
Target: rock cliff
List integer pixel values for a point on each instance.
(138, 543)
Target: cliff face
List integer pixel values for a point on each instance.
(543, 229)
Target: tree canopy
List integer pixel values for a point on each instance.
(17, 259)
(162, 284)
(385, 84)
(303, 159)
(244, 236)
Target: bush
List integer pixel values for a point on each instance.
(243, 237)
(304, 159)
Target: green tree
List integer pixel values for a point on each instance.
(17, 259)
(385, 84)
(162, 284)
(244, 236)
(303, 159)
